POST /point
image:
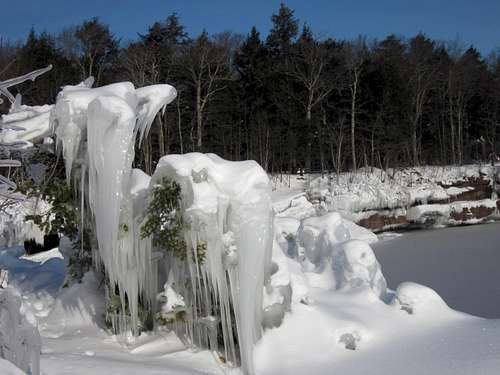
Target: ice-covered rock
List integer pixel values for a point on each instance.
(298, 208)
(355, 266)
(318, 235)
(278, 290)
(335, 254)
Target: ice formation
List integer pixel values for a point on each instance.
(226, 206)
(111, 123)
(14, 228)
(108, 119)
(5, 85)
(73, 101)
(25, 125)
(69, 117)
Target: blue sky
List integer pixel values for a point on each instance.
(475, 22)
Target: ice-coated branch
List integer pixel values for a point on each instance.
(4, 85)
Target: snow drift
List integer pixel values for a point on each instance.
(19, 338)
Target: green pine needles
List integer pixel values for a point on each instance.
(164, 219)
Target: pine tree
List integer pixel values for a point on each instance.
(285, 29)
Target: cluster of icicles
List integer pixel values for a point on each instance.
(226, 207)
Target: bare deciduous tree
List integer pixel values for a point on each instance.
(355, 55)
(207, 66)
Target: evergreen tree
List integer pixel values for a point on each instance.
(285, 29)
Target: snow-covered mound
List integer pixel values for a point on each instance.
(19, 338)
(8, 368)
(414, 298)
(331, 252)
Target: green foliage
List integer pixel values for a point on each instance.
(62, 217)
(285, 29)
(81, 260)
(164, 222)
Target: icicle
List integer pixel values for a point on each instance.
(4, 85)
(152, 99)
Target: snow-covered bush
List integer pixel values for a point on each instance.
(226, 206)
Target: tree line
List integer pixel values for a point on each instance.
(291, 101)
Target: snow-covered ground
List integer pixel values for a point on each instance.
(432, 340)
(338, 319)
(460, 263)
(71, 324)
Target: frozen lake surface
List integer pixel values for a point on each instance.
(461, 263)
